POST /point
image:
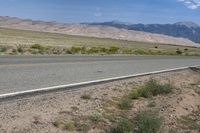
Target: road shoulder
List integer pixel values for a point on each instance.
(40, 112)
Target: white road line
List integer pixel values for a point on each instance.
(67, 86)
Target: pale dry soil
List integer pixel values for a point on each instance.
(36, 114)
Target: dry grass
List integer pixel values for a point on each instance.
(10, 37)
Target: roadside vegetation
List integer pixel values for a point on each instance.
(38, 49)
(151, 88)
(119, 119)
(86, 96)
(125, 104)
(145, 121)
(21, 42)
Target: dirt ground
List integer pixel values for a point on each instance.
(38, 114)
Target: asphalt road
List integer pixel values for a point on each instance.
(20, 73)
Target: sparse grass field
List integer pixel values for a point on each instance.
(122, 120)
(31, 42)
(191, 121)
(148, 119)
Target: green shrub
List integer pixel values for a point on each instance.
(14, 51)
(123, 126)
(82, 127)
(75, 50)
(86, 96)
(37, 46)
(83, 50)
(39, 49)
(96, 117)
(157, 88)
(57, 123)
(55, 51)
(113, 50)
(178, 51)
(20, 49)
(70, 125)
(98, 50)
(125, 104)
(148, 122)
(152, 104)
(134, 94)
(93, 50)
(110, 116)
(145, 92)
(127, 51)
(103, 50)
(163, 89)
(3, 49)
(153, 88)
(33, 51)
(68, 51)
(140, 52)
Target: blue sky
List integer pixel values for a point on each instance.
(75, 11)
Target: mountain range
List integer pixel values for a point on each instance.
(113, 30)
(189, 30)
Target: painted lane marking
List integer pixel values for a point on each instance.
(67, 86)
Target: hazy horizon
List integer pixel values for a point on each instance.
(120, 21)
(137, 11)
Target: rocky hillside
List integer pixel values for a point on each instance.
(91, 30)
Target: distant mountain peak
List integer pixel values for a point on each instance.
(192, 32)
(184, 29)
(119, 22)
(116, 21)
(188, 24)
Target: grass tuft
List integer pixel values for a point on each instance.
(57, 123)
(151, 88)
(3, 49)
(134, 94)
(123, 126)
(37, 46)
(148, 122)
(69, 125)
(125, 104)
(95, 117)
(152, 104)
(82, 127)
(86, 96)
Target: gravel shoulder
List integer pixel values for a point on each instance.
(37, 114)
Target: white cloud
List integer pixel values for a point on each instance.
(191, 4)
(98, 12)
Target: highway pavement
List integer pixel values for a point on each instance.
(21, 73)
